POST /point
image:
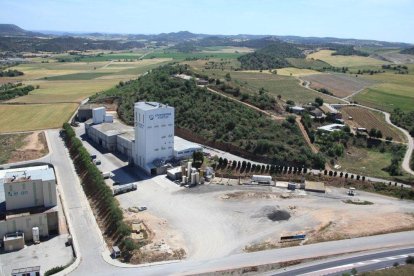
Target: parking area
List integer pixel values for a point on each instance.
(47, 254)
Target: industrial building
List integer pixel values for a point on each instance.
(150, 144)
(28, 205)
(154, 135)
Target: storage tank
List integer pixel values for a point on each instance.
(36, 234)
(193, 179)
(98, 115)
(189, 164)
(197, 178)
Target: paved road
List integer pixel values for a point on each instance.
(362, 263)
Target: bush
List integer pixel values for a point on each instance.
(409, 260)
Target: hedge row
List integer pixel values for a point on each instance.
(94, 185)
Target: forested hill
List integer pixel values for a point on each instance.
(215, 118)
(61, 44)
(272, 56)
(409, 51)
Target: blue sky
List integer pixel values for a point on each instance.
(390, 20)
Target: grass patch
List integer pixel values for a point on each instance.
(358, 202)
(405, 270)
(34, 116)
(9, 143)
(344, 61)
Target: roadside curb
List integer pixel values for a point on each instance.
(107, 258)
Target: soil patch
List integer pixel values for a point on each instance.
(273, 213)
(34, 146)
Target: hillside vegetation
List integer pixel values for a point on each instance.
(214, 117)
(409, 51)
(270, 57)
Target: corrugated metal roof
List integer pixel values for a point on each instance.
(180, 144)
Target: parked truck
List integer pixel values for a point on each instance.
(107, 175)
(124, 188)
(262, 179)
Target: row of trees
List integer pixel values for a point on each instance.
(95, 187)
(10, 73)
(10, 91)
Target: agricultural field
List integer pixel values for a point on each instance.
(288, 71)
(341, 85)
(344, 61)
(196, 55)
(286, 86)
(306, 63)
(66, 83)
(34, 116)
(392, 91)
(362, 117)
(251, 81)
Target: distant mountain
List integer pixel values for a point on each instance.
(13, 30)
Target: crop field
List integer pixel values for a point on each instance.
(368, 119)
(34, 116)
(308, 63)
(287, 71)
(344, 61)
(66, 83)
(341, 85)
(226, 49)
(392, 91)
(79, 76)
(199, 55)
(286, 86)
(64, 91)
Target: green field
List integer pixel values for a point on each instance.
(197, 55)
(78, 76)
(394, 90)
(34, 116)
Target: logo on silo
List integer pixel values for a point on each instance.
(151, 117)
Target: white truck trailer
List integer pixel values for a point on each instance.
(124, 188)
(262, 179)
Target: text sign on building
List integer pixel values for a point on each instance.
(17, 193)
(160, 116)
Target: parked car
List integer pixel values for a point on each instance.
(93, 156)
(142, 208)
(97, 161)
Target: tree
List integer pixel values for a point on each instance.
(279, 97)
(290, 119)
(379, 134)
(373, 132)
(319, 101)
(228, 77)
(198, 159)
(290, 102)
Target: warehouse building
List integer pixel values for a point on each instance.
(28, 199)
(150, 144)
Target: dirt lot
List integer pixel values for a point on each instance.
(219, 220)
(22, 146)
(341, 85)
(368, 119)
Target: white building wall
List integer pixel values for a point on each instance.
(154, 133)
(30, 193)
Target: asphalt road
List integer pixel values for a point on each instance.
(362, 263)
